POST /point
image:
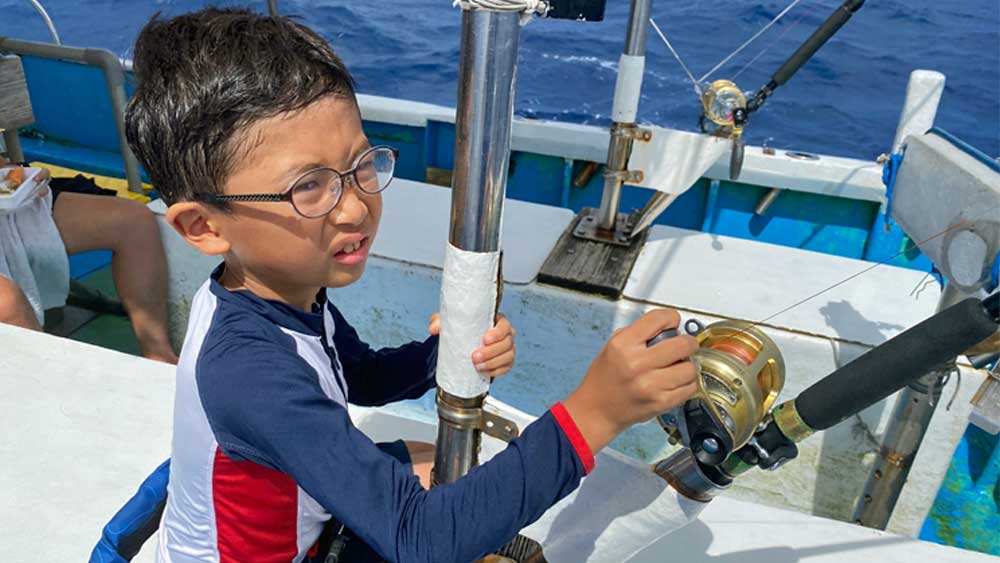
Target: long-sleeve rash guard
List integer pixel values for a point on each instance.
(264, 451)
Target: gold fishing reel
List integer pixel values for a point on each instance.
(742, 373)
(723, 104)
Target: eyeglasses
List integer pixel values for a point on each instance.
(317, 192)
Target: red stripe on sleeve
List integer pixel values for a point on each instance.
(573, 433)
(256, 511)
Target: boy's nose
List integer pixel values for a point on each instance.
(352, 209)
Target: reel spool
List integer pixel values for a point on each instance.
(742, 373)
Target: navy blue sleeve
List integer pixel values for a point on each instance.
(378, 377)
(279, 417)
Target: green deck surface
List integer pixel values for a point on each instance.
(107, 331)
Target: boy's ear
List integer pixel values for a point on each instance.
(193, 222)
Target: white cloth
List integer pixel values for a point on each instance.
(672, 161)
(32, 253)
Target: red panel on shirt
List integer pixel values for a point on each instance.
(256, 512)
(575, 437)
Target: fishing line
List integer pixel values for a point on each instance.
(770, 45)
(909, 248)
(751, 40)
(697, 85)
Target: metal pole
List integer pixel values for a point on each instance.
(910, 419)
(626, 103)
(487, 68)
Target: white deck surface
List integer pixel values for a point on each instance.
(414, 228)
(751, 281)
(83, 426)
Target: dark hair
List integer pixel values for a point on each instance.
(205, 77)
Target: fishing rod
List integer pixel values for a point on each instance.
(728, 108)
(730, 425)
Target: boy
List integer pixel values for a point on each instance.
(249, 127)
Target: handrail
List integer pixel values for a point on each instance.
(48, 21)
(114, 76)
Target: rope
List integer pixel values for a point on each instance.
(697, 85)
(751, 40)
(529, 7)
(48, 21)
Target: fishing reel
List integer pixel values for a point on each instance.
(725, 106)
(741, 374)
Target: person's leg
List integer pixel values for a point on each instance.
(14, 307)
(139, 267)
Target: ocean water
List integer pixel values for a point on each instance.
(845, 101)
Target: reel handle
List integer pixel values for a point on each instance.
(887, 368)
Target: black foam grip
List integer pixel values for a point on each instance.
(805, 52)
(885, 369)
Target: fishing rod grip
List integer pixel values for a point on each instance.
(833, 23)
(885, 369)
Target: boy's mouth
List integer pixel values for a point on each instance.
(353, 252)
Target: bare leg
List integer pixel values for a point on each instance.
(128, 229)
(14, 306)
(422, 455)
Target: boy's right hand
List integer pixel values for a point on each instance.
(629, 383)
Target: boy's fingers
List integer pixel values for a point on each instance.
(486, 353)
(673, 397)
(652, 323)
(677, 376)
(670, 351)
(499, 331)
(503, 360)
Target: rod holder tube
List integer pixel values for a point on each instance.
(910, 419)
(628, 85)
(487, 69)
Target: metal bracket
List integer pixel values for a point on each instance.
(632, 131)
(587, 228)
(624, 176)
(498, 427)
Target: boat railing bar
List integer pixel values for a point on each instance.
(114, 77)
(48, 21)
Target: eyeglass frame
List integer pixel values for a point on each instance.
(286, 195)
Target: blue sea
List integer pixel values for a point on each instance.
(845, 101)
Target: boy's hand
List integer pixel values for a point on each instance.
(496, 356)
(629, 383)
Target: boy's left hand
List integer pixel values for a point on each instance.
(496, 356)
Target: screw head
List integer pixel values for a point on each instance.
(710, 445)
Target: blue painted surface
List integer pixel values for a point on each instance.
(966, 512)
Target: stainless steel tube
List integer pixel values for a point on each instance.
(487, 68)
(910, 418)
(620, 146)
(482, 127)
(638, 24)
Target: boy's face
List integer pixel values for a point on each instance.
(270, 243)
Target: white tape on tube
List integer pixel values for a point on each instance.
(627, 88)
(468, 304)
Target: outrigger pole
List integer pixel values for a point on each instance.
(470, 287)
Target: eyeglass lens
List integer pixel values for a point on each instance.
(317, 192)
